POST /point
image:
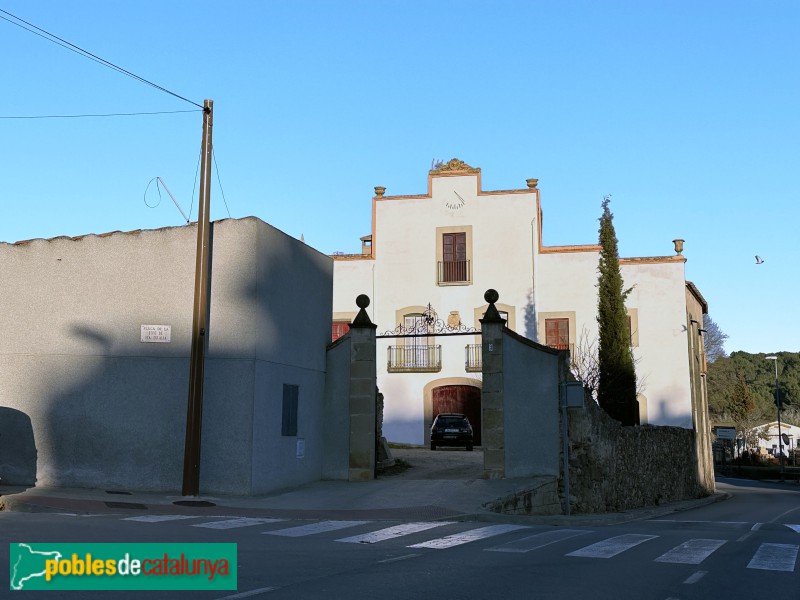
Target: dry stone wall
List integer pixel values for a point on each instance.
(614, 468)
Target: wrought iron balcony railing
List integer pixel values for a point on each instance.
(474, 359)
(453, 271)
(570, 347)
(414, 359)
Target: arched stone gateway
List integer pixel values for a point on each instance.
(456, 398)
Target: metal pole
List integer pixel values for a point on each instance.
(194, 413)
(778, 402)
(565, 446)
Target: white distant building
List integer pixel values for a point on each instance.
(769, 444)
(434, 255)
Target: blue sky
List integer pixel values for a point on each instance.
(687, 113)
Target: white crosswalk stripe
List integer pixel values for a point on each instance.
(158, 518)
(390, 533)
(468, 536)
(236, 523)
(692, 552)
(794, 528)
(775, 557)
(540, 540)
(612, 546)
(314, 528)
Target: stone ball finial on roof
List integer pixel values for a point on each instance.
(491, 296)
(362, 301)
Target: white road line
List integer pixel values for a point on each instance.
(794, 527)
(701, 522)
(392, 532)
(540, 540)
(612, 546)
(468, 536)
(159, 518)
(398, 558)
(692, 552)
(695, 577)
(235, 523)
(248, 594)
(313, 528)
(775, 557)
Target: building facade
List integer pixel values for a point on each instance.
(430, 258)
(94, 360)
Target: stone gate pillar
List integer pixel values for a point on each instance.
(492, 414)
(363, 386)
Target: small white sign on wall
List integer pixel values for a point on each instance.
(157, 333)
(301, 448)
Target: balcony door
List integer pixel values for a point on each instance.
(416, 352)
(454, 257)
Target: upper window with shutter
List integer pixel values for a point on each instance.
(454, 255)
(557, 333)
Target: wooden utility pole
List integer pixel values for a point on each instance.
(194, 414)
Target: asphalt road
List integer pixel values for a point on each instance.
(745, 547)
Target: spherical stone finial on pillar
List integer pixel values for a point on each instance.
(491, 315)
(362, 318)
(379, 191)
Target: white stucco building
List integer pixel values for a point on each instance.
(439, 252)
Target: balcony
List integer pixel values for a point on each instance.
(453, 271)
(570, 347)
(474, 358)
(414, 359)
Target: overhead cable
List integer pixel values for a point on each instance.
(30, 27)
(136, 114)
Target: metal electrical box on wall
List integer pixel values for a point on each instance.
(572, 394)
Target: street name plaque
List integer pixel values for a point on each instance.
(157, 334)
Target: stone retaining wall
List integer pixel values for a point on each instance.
(614, 468)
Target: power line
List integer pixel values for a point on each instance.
(85, 53)
(136, 114)
(219, 182)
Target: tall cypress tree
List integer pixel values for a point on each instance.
(616, 390)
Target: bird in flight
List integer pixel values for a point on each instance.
(759, 260)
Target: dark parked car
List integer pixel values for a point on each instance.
(451, 429)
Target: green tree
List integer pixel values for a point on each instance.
(616, 388)
(760, 376)
(748, 413)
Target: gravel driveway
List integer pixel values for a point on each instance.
(445, 463)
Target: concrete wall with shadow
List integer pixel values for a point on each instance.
(108, 410)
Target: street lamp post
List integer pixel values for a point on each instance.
(778, 403)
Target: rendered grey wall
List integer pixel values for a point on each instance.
(107, 410)
(293, 298)
(337, 410)
(530, 382)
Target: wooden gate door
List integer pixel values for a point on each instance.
(464, 399)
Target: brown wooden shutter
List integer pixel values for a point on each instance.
(557, 333)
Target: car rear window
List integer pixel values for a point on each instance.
(451, 421)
